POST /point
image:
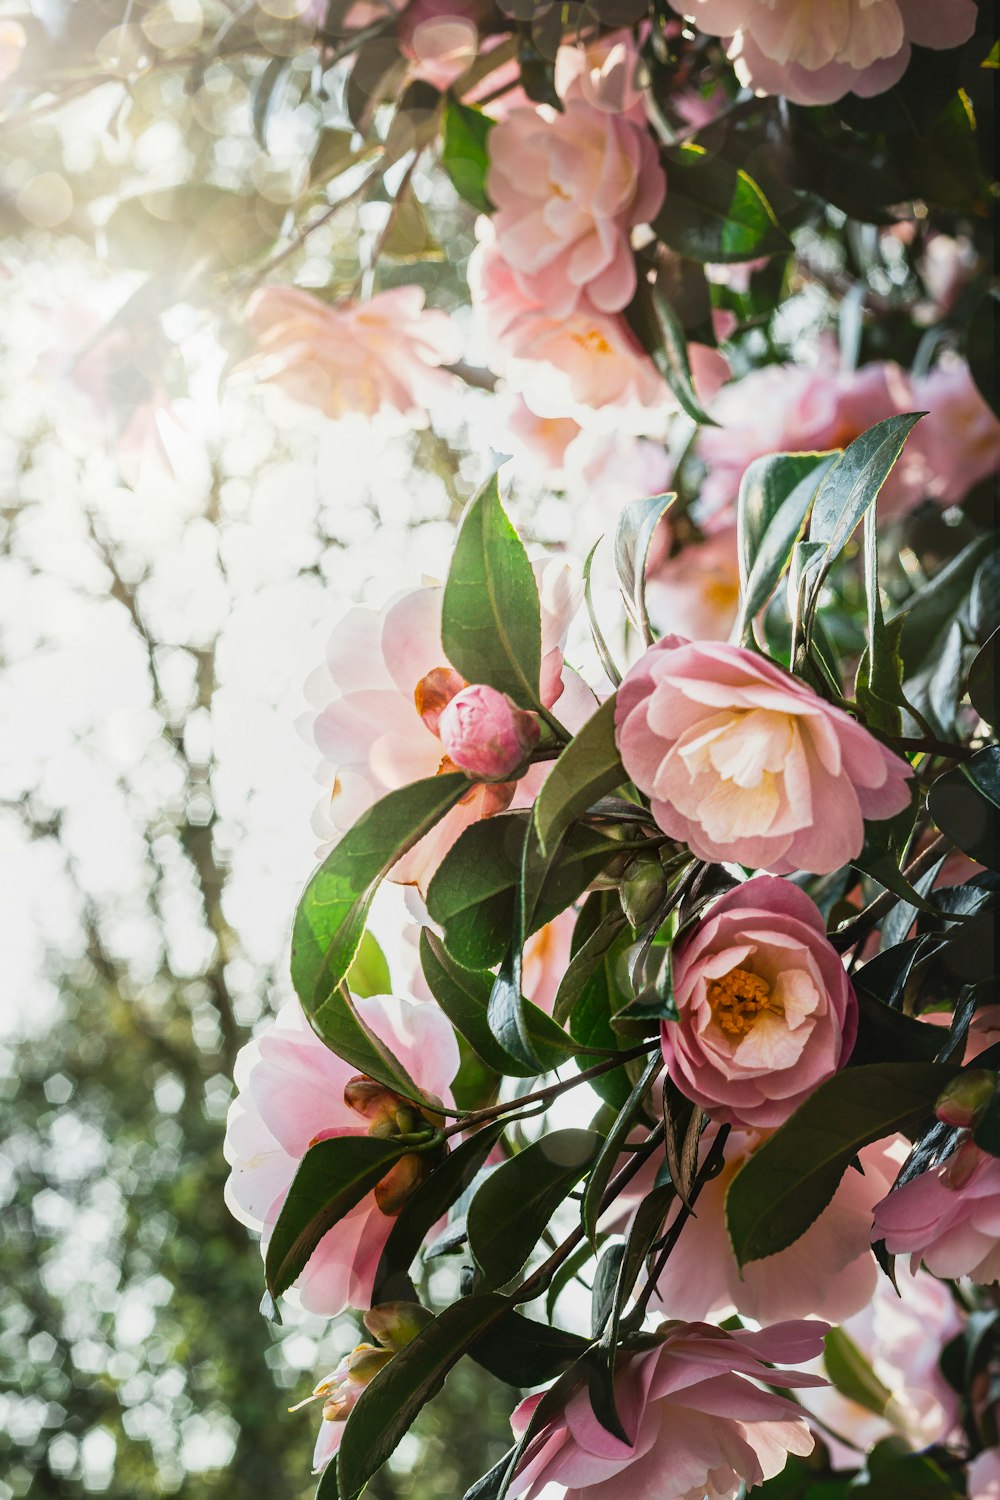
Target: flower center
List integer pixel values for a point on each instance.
(593, 341)
(737, 999)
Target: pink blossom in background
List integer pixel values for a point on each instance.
(959, 439)
(291, 1093)
(766, 1011)
(13, 41)
(362, 357)
(696, 593)
(380, 696)
(605, 73)
(484, 734)
(901, 1336)
(590, 358)
(745, 763)
(948, 1218)
(546, 958)
(829, 1272)
(569, 188)
(545, 438)
(814, 54)
(984, 1476)
(697, 1421)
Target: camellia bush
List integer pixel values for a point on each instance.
(685, 1124)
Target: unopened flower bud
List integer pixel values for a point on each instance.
(395, 1324)
(485, 735)
(965, 1098)
(642, 890)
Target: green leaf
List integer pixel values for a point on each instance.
(598, 1002)
(892, 1470)
(490, 617)
(965, 805)
(659, 331)
(633, 538)
(716, 212)
(464, 996)
(387, 1407)
(328, 1488)
(596, 634)
(369, 971)
(332, 1178)
(512, 1209)
(465, 154)
(610, 1154)
(331, 915)
(981, 346)
(426, 1206)
(982, 681)
(786, 1184)
(589, 767)
(522, 1352)
(852, 1375)
(775, 495)
(850, 485)
(929, 613)
(586, 959)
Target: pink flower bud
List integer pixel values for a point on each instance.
(965, 1098)
(485, 735)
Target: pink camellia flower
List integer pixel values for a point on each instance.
(698, 1419)
(355, 356)
(696, 593)
(745, 763)
(948, 1218)
(486, 735)
(381, 695)
(984, 1476)
(569, 188)
(829, 1272)
(901, 1336)
(546, 958)
(590, 358)
(815, 54)
(959, 439)
(766, 1010)
(605, 73)
(293, 1092)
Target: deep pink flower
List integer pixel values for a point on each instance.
(814, 54)
(745, 763)
(948, 1218)
(569, 188)
(829, 1272)
(292, 1094)
(766, 1011)
(354, 356)
(484, 734)
(697, 1418)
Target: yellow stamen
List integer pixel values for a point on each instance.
(737, 999)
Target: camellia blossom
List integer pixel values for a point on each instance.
(569, 188)
(828, 1272)
(697, 1420)
(381, 694)
(355, 356)
(293, 1092)
(696, 592)
(901, 1335)
(484, 734)
(814, 54)
(766, 1010)
(984, 1476)
(947, 1218)
(745, 763)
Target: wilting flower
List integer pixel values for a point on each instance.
(766, 1011)
(947, 1218)
(484, 734)
(569, 188)
(381, 694)
(901, 1336)
(293, 1092)
(984, 1476)
(814, 54)
(828, 1272)
(746, 763)
(355, 356)
(696, 592)
(697, 1422)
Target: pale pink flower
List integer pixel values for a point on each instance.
(984, 1476)
(947, 1218)
(291, 1095)
(814, 54)
(605, 73)
(901, 1335)
(696, 593)
(589, 358)
(959, 439)
(486, 735)
(766, 1011)
(380, 695)
(569, 188)
(546, 959)
(698, 1419)
(544, 438)
(354, 356)
(744, 762)
(829, 1272)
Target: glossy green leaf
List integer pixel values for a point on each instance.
(789, 1180)
(775, 495)
(523, 1352)
(332, 1178)
(512, 1209)
(599, 1000)
(659, 331)
(585, 961)
(634, 534)
(852, 1375)
(609, 1157)
(984, 675)
(589, 767)
(965, 805)
(490, 615)
(464, 152)
(369, 971)
(716, 212)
